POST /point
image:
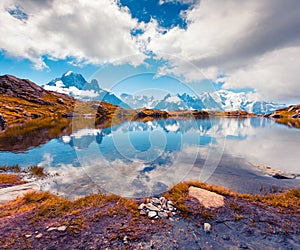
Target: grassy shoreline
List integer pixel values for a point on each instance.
(117, 218)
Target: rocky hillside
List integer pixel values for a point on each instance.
(289, 116)
(22, 100)
(292, 111)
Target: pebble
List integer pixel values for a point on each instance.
(142, 206)
(143, 212)
(151, 207)
(162, 214)
(40, 235)
(155, 201)
(206, 227)
(62, 228)
(51, 229)
(28, 236)
(152, 214)
(125, 239)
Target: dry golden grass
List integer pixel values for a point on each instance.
(48, 205)
(17, 110)
(37, 171)
(285, 200)
(10, 179)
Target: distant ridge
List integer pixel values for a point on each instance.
(221, 100)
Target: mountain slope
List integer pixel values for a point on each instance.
(22, 100)
(76, 86)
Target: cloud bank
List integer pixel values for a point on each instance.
(243, 44)
(85, 31)
(253, 43)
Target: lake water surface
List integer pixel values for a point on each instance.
(136, 159)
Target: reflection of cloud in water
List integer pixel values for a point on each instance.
(47, 160)
(277, 147)
(137, 178)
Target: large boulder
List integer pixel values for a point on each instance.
(207, 198)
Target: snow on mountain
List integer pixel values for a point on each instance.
(139, 101)
(222, 100)
(75, 85)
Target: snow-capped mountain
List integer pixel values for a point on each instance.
(222, 100)
(139, 101)
(75, 85)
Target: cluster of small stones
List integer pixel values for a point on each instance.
(156, 208)
(39, 235)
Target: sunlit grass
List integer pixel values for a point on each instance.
(10, 179)
(285, 200)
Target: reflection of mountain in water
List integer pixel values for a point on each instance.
(209, 128)
(33, 134)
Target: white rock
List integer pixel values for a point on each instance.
(28, 236)
(163, 215)
(171, 203)
(207, 227)
(152, 214)
(62, 228)
(142, 206)
(39, 236)
(125, 239)
(51, 229)
(143, 212)
(155, 201)
(152, 207)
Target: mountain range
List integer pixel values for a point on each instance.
(75, 85)
(221, 100)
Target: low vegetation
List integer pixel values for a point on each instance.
(284, 200)
(10, 180)
(36, 171)
(10, 175)
(116, 218)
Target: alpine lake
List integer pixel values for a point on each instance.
(138, 159)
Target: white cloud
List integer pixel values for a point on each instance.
(276, 74)
(86, 31)
(235, 39)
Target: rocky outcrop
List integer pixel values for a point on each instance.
(289, 116)
(151, 113)
(292, 111)
(275, 173)
(27, 90)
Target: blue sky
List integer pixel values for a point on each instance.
(236, 45)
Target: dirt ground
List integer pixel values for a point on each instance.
(239, 224)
